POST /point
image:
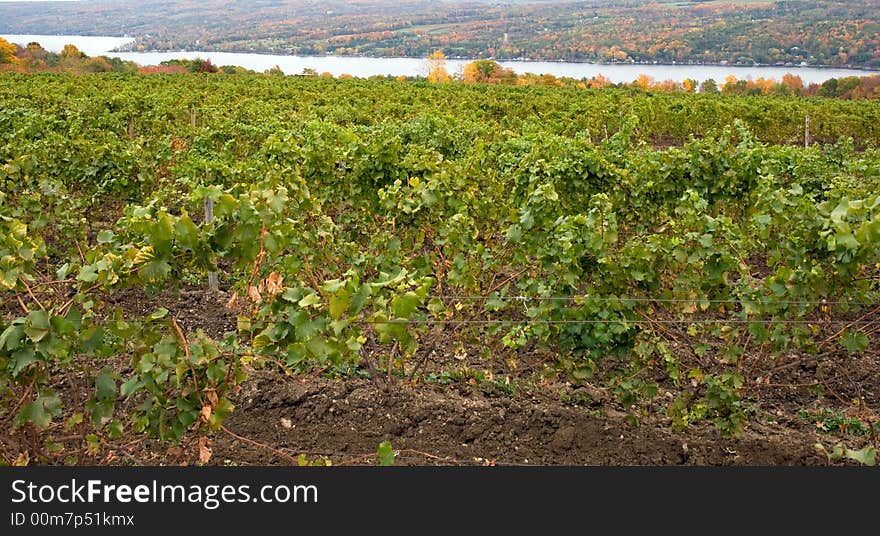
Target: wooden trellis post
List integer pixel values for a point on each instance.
(807, 140)
(213, 282)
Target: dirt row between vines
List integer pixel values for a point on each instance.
(443, 419)
(278, 417)
(463, 424)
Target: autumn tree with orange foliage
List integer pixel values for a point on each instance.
(7, 52)
(528, 79)
(549, 80)
(70, 51)
(598, 81)
(437, 72)
(732, 86)
(667, 85)
(35, 57)
(644, 82)
(793, 82)
(488, 72)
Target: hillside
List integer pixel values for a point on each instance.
(824, 32)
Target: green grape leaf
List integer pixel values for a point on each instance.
(855, 342)
(386, 454)
(155, 270)
(105, 385)
(37, 325)
(866, 456)
(404, 305)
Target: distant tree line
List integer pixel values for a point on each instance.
(492, 72)
(34, 57)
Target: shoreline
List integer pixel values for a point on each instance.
(127, 49)
(510, 60)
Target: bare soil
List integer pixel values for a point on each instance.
(464, 424)
(511, 413)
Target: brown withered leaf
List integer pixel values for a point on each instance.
(205, 451)
(212, 396)
(254, 294)
(205, 414)
(274, 284)
(232, 300)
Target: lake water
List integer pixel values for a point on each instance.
(364, 67)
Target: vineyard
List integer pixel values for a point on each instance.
(282, 270)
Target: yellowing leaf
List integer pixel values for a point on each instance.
(310, 300)
(22, 460)
(144, 254)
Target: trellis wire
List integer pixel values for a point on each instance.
(617, 321)
(585, 297)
